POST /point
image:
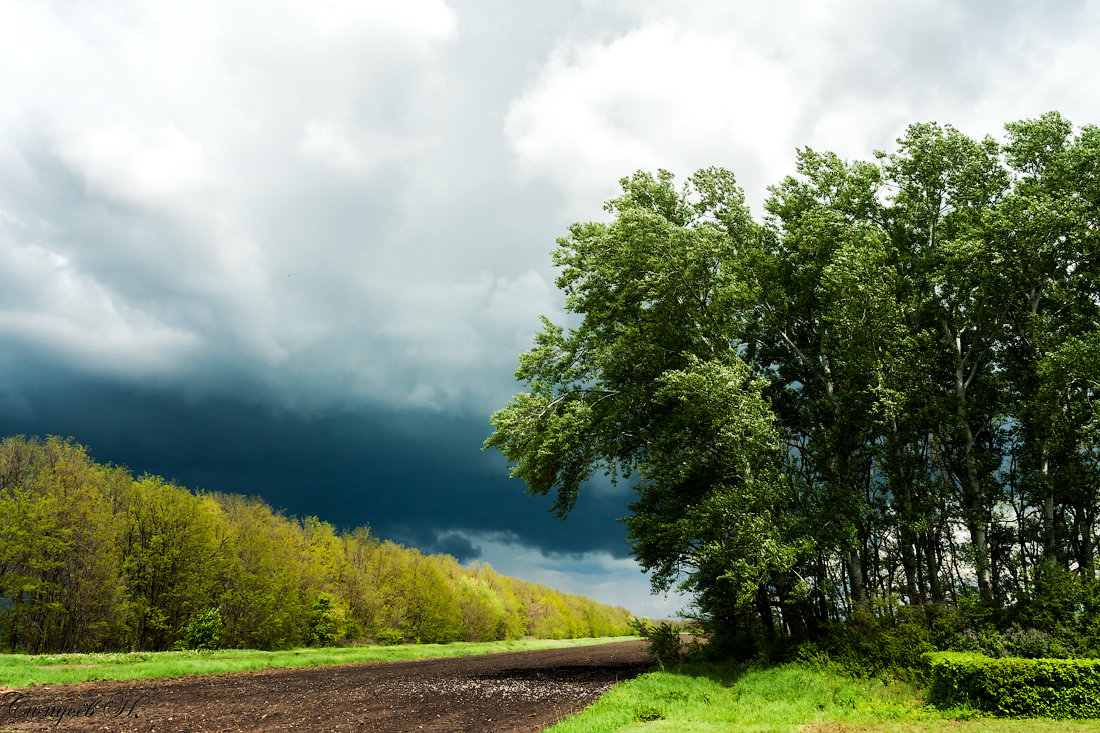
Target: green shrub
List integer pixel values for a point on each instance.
(1014, 687)
(202, 632)
(389, 637)
(740, 647)
(662, 642)
(323, 625)
(866, 646)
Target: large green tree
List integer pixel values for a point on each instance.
(652, 382)
(819, 407)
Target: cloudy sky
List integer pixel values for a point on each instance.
(293, 248)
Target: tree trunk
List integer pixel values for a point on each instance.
(855, 576)
(764, 608)
(909, 565)
(790, 608)
(979, 540)
(930, 556)
(1050, 548)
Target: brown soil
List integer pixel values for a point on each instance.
(516, 691)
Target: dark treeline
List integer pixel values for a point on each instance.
(884, 394)
(93, 559)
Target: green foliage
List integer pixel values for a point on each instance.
(884, 393)
(725, 697)
(323, 624)
(1014, 642)
(1052, 688)
(202, 632)
(389, 637)
(663, 642)
(652, 382)
(171, 560)
(93, 559)
(886, 647)
(61, 581)
(1064, 605)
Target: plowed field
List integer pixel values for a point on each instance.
(517, 691)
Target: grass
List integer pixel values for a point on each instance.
(706, 697)
(23, 670)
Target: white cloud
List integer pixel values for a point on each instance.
(427, 20)
(659, 96)
(166, 169)
(47, 303)
(328, 144)
(448, 332)
(190, 134)
(743, 84)
(334, 146)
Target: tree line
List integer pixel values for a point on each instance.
(884, 393)
(93, 559)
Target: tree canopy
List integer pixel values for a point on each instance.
(883, 392)
(92, 559)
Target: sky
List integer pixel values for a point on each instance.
(292, 249)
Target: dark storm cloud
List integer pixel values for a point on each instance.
(453, 544)
(417, 478)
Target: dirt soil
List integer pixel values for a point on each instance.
(515, 691)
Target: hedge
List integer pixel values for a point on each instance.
(1014, 687)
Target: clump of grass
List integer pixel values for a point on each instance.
(23, 670)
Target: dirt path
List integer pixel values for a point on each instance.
(516, 691)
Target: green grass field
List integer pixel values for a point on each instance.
(22, 670)
(707, 698)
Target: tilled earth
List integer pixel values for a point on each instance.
(516, 691)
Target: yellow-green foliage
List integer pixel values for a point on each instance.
(92, 559)
(1014, 687)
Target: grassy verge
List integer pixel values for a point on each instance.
(22, 670)
(702, 698)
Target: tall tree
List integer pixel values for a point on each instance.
(655, 358)
(819, 406)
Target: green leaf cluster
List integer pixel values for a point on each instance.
(202, 632)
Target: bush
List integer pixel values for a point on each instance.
(389, 637)
(323, 626)
(1014, 687)
(865, 646)
(662, 641)
(202, 632)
